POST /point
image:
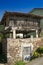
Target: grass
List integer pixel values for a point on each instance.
(19, 63)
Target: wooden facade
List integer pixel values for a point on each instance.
(20, 19)
(23, 22)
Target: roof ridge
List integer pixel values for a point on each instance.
(15, 12)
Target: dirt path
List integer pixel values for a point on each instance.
(38, 61)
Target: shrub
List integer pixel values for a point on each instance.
(41, 34)
(36, 55)
(40, 50)
(1, 36)
(19, 63)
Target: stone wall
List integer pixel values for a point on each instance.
(14, 48)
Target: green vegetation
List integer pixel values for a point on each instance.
(3, 58)
(40, 50)
(37, 11)
(7, 35)
(41, 34)
(1, 30)
(41, 23)
(37, 53)
(1, 36)
(19, 63)
(1, 27)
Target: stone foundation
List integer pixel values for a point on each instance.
(14, 48)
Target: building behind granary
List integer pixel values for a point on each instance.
(21, 29)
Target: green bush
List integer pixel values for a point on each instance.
(41, 34)
(19, 63)
(40, 50)
(1, 36)
(36, 55)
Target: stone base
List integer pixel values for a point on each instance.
(14, 48)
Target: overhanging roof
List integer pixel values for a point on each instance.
(7, 14)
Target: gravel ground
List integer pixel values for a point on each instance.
(38, 61)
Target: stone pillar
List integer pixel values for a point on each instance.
(14, 33)
(36, 33)
(32, 38)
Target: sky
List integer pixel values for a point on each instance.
(19, 5)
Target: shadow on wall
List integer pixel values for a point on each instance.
(3, 51)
